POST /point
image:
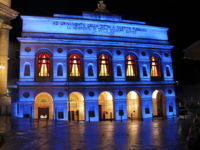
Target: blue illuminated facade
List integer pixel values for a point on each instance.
(76, 48)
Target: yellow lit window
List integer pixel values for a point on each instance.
(44, 65)
(130, 66)
(104, 67)
(155, 69)
(74, 65)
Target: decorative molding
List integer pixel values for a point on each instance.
(5, 11)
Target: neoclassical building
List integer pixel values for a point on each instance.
(96, 66)
(6, 15)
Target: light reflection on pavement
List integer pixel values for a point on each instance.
(23, 134)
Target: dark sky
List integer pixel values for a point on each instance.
(182, 17)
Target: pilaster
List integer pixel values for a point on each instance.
(4, 39)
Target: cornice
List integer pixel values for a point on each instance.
(7, 12)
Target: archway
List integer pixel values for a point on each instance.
(158, 99)
(134, 105)
(43, 106)
(106, 106)
(76, 109)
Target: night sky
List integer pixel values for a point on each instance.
(181, 17)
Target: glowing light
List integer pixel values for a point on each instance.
(109, 96)
(155, 94)
(130, 69)
(154, 67)
(75, 71)
(133, 95)
(43, 70)
(103, 67)
(2, 66)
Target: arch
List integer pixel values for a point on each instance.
(159, 104)
(105, 51)
(106, 106)
(43, 106)
(133, 53)
(75, 51)
(76, 106)
(134, 108)
(27, 69)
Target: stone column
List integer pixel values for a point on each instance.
(4, 39)
(6, 2)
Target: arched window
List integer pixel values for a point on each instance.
(43, 65)
(60, 70)
(155, 67)
(144, 70)
(131, 67)
(90, 70)
(75, 65)
(104, 66)
(119, 71)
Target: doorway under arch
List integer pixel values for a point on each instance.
(158, 99)
(134, 110)
(43, 106)
(76, 107)
(106, 106)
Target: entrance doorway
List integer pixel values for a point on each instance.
(106, 106)
(134, 105)
(76, 110)
(43, 113)
(43, 106)
(158, 99)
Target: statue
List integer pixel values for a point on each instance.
(101, 7)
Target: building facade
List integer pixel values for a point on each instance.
(94, 67)
(6, 14)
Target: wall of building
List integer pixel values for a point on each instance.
(70, 37)
(6, 14)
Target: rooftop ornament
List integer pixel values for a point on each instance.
(101, 7)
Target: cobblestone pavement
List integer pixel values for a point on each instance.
(23, 134)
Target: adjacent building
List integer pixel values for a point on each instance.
(6, 14)
(94, 67)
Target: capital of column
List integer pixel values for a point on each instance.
(5, 26)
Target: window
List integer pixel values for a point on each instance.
(44, 65)
(119, 71)
(144, 70)
(104, 66)
(27, 70)
(168, 71)
(155, 67)
(60, 70)
(90, 70)
(131, 66)
(74, 65)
